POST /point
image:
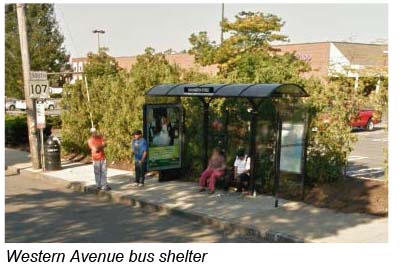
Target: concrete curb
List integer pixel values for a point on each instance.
(13, 170)
(117, 197)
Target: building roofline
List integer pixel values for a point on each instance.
(327, 42)
(134, 56)
(128, 56)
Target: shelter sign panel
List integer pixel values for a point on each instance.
(199, 91)
(163, 127)
(292, 147)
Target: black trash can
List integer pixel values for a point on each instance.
(52, 154)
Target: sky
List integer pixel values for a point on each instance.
(130, 28)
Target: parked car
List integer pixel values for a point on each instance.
(50, 105)
(10, 104)
(14, 104)
(55, 90)
(21, 104)
(367, 119)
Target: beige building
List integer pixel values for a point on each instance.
(332, 58)
(326, 59)
(183, 60)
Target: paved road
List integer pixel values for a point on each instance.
(14, 156)
(41, 212)
(369, 153)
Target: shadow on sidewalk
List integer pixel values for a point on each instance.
(294, 218)
(44, 215)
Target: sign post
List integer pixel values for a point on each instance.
(39, 91)
(40, 124)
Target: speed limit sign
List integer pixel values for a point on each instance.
(38, 85)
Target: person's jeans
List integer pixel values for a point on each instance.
(100, 171)
(243, 182)
(140, 170)
(212, 175)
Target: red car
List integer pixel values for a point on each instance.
(367, 118)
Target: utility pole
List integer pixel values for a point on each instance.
(25, 57)
(221, 31)
(98, 32)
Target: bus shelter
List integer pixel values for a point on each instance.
(254, 94)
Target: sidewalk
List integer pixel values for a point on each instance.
(291, 222)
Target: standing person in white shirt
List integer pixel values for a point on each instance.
(242, 170)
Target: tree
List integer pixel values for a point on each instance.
(124, 98)
(100, 65)
(248, 56)
(100, 69)
(247, 47)
(117, 99)
(45, 44)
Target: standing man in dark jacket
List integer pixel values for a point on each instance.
(140, 151)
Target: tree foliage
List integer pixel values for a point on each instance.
(45, 43)
(100, 65)
(116, 101)
(246, 56)
(248, 44)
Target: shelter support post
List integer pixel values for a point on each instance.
(277, 159)
(226, 129)
(304, 164)
(205, 131)
(253, 145)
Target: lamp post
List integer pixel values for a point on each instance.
(222, 30)
(98, 32)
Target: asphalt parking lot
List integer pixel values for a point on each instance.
(367, 160)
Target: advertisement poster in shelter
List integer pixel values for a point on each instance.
(292, 147)
(163, 126)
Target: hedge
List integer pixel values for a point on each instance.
(16, 131)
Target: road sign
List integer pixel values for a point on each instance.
(38, 85)
(39, 89)
(40, 115)
(38, 75)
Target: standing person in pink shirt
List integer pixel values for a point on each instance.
(215, 169)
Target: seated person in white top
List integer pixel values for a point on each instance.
(242, 170)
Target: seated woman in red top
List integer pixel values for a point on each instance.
(215, 169)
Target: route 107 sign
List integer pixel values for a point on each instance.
(38, 85)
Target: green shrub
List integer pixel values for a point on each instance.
(16, 132)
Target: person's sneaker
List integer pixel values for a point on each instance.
(211, 192)
(98, 188)
(141, 185)
(202, 189)
(107, 188)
